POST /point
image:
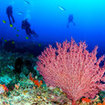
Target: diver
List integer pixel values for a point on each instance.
(9, 14)
(26, 26)
(70, 20)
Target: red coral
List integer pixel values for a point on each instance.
(72, 68)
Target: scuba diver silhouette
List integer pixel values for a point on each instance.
(9, 14)
(70, 20)
(26, 26)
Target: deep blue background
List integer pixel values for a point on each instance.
(49, 21)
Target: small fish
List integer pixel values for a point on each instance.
(11, 25)
(14, 28)
(5, 40)
(27, 2)
(39, 45)
(61, 8)
(17, 35)
(17, 30)
(20, 13)
(4, 21)
(27, 38)
(13, 42)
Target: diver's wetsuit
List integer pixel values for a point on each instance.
(26, 26)
(9, 14)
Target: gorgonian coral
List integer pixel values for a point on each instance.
(72, 68)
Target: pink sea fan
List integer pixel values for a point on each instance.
(73, 69)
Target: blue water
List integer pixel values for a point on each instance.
(49, 18)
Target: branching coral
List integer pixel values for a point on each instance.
(72, 68)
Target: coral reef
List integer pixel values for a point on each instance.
(73, 69)
(20, 88)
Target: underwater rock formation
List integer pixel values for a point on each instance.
(9, 46)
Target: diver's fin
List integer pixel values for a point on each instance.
(34, 33)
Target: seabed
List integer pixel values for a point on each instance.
(22, 91)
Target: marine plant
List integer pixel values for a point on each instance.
(72, 68)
